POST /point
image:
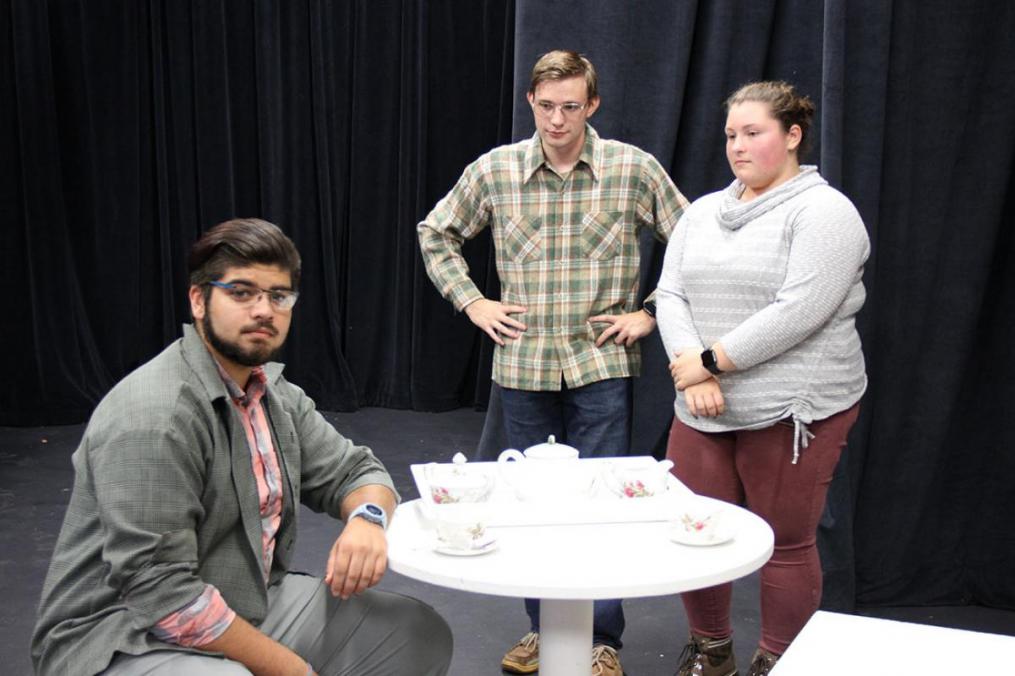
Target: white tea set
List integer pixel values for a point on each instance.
(549, 471)
(465, 497)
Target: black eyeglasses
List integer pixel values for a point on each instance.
(248, 294)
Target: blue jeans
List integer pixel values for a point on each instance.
(595, 419)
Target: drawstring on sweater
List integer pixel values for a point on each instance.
(801, 437)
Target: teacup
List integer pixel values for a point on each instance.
(700, 521)
(462, 529)
(457, 483)
(639, 481)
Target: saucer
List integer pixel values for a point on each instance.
(487, 546)
(681, 536)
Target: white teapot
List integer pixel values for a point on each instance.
(551, 450)
(545, 472)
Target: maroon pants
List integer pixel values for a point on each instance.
(754, 468)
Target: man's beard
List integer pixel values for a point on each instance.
(255, 356)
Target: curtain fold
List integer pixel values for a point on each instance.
(56, 364)
(132, 127)
(935, 439)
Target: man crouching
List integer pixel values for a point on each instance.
(175, 550)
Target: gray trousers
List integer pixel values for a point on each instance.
(376, 633)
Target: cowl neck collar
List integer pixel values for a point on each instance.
(734, 214)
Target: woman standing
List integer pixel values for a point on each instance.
(756, 307)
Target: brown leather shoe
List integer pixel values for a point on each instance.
(524, 657)
(704, 656)
(605, 661)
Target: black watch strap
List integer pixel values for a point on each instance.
(708, 360)
(649, 307)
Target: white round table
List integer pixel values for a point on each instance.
(568, 566)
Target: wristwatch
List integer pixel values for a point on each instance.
(708, 360)
(649, 307)
(372, 513)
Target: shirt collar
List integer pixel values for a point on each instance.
(255, 385)
(591, 154)
(203, 366)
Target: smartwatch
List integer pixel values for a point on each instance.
(372, 513)
(649, 307)
(709, 362)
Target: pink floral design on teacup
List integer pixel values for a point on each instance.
(441, 496)
(636, 489)
(695, 525)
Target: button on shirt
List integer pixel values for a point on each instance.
(566, 249)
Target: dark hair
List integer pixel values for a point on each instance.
(785, 103)
(561, 64)
(241, 242)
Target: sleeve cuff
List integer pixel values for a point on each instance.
(463, 294)
(200, 622)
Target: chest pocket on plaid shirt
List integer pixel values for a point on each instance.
(602, 234)
(523, 240)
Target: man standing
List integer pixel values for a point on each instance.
(565, 207)
(175, 550)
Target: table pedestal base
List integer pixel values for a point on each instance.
(565, 637)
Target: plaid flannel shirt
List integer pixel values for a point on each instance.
(566, 249)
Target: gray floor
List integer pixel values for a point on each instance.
(35, 482)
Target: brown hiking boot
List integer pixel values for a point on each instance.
(704, 656)
(524, 657)
(605, 661)
(762, 663)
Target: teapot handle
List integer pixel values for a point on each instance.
(609, 478)
(510, 454)
(665, 465)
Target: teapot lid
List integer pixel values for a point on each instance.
(457, 474)
(551, 445)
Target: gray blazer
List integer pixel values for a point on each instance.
(165, 501)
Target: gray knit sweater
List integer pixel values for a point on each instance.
(777, 281)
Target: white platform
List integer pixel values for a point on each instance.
(833, 644)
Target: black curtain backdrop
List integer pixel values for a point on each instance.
(131, 127)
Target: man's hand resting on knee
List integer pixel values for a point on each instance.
(358, 558)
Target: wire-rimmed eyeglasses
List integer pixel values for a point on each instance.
(248, 294)
(569, 109)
